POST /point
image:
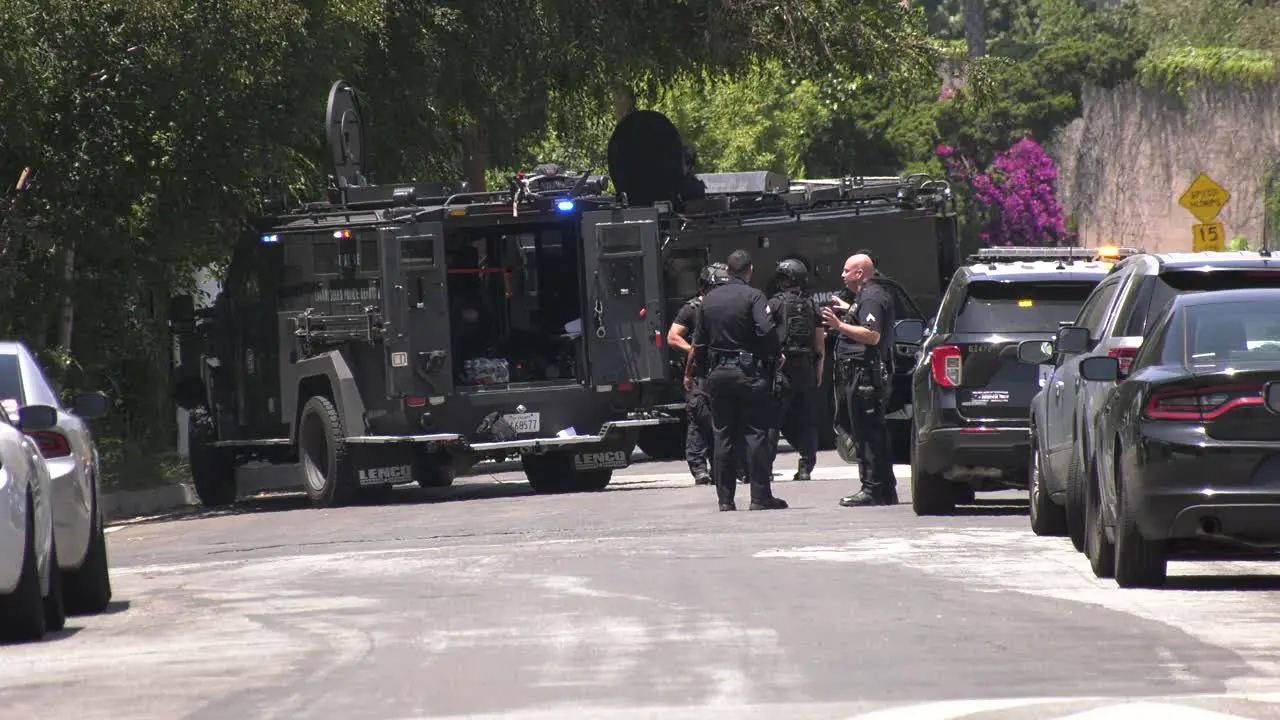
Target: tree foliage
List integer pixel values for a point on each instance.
(1016, 199)
(147, 132)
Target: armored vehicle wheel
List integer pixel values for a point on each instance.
(663, 442)
(322, 454)
(433, 471)
(213, 470)
(553, 473)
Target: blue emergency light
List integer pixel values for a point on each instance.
(270, 238)
(565, 206)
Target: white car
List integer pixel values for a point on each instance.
(30, 587)
(72, 458)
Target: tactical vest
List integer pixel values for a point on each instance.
(798, 322)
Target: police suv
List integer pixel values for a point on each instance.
(405, 332)
(971, 394)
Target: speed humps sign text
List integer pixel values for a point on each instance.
(1204, 199)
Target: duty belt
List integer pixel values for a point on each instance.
(845, 369)
(743, 359)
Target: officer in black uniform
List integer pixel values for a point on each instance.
(698, 439)
(804, 344)
(863, 353)
(735, 347)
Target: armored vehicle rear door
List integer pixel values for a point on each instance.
(623, 327)
(416, 310)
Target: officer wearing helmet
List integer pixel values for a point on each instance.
(804, 343)
(698, 440)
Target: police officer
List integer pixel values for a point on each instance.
(698, 439)
(863, 353)
(735, 348)
(804, 344)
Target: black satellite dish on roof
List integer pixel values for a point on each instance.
(344, 128)
(646, 158)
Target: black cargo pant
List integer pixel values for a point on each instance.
(797, 398)
(699, 438)
(860, 413)
(742, 410)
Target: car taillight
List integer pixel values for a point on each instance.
(52, 444)
(945, 363)
(1124, 356)
(1203, 404)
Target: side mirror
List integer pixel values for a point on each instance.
(1073, 340)
(34, 418)
(1271, 396)
(182, 314)
(1035, 352)
(909, 331)
(1100, 369)
(91, 406)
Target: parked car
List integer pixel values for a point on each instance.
(1112, 323)
(1188, 454)
(69, 451)
(30, 584)
(970, 394)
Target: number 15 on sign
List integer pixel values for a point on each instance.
(1207, 237)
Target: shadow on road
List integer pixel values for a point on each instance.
(290, 501)
(115, 607)
(993, 508)
(68, 631)
(1221, 583)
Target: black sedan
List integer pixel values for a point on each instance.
(1189, 461)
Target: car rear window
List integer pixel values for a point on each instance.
(992, 306)
(1153, 298)
(1230, 335)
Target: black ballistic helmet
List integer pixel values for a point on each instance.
(792, 272)
(713, 275)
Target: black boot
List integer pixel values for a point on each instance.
(772, 503)
(862, 498)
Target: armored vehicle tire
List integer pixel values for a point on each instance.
(553, 473)
(663, 442)
(326, 468)
(213, 470)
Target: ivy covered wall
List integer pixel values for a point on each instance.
(1137, 146)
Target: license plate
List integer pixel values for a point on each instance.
(524, 422)
(1046, 374)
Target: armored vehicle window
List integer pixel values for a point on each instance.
(1008, 307)
(620, 239)
(324, 257)
(682, 275)
(369, 255)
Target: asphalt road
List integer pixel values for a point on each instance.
(643, 601)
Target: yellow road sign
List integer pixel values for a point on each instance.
(1209, 237)
(1205, 198)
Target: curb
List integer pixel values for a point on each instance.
(125, 504)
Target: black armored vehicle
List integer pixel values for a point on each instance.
(907, 223)
(394, 333)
